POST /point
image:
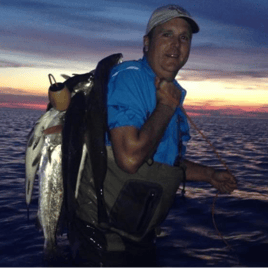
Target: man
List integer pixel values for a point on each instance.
(166, 51)
(148, 132)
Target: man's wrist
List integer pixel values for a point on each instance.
(167, 107)
(210, 174)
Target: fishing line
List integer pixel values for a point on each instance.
(200, 132)
(224, 164)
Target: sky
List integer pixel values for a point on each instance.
(226, 74)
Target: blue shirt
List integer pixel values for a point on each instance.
(132, 99)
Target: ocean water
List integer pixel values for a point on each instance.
(189, 237)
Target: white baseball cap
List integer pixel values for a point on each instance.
(166, 13)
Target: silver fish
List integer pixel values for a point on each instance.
(33, 152)
(44, 158)
(51, 185)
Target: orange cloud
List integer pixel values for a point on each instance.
(226, 110)
(33, 106)
(23, 101)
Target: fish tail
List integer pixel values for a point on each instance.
(50, 249)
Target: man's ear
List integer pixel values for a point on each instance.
(146, 43)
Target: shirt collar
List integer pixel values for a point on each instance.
(147, 67)
(150, 70)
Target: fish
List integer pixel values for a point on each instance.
(97, 128)
(34, 147)
(50, 186)
(84, 133)
(44, 160)
(74, 149)
(73, 141)
(79, 82)
(58, 146)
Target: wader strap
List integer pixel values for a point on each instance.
(183, 181)
(179, 159)
(178, 163)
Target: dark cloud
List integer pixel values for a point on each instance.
(11, 64)
(232, 42)
(28, 4)
(240, 13)
(82, 16)
(245, 61)
(246, 14)
(55, 9)
(62, 45)
(205, 74)
(86, 14)
(230, 111)
(67, 30)
(17, 98)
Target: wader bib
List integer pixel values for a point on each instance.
(135, 203)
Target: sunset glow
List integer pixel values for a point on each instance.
(226, 73)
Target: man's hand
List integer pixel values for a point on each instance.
(167, 93)
(223, 181)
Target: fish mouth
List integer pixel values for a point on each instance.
(120, 60)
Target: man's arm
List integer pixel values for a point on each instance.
(132, 146)
(221, 180)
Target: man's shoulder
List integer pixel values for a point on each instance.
(133, 65)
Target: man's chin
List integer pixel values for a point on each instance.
(169, 77)
(170, 73)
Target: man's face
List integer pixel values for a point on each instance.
(169, 47)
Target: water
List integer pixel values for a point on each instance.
(189, 237)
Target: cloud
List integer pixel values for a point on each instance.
(16, 98)
(232, 42)
(242, 13)
(63, 45)
(227, 111)
(13, 91)
(64, 29)
(220, 62)
(82, 15)
(19, 98)
(239, 13)
(205, 74)
(11, 64)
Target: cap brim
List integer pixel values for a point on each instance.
(193, 24)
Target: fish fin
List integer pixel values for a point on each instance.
(36, 141)
(37, 160)
(49, 154)
(65, 76)
(30, 138)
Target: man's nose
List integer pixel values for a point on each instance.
(176, 42)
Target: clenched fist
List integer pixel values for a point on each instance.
(167, 93)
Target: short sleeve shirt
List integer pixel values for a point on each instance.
(132, 99)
